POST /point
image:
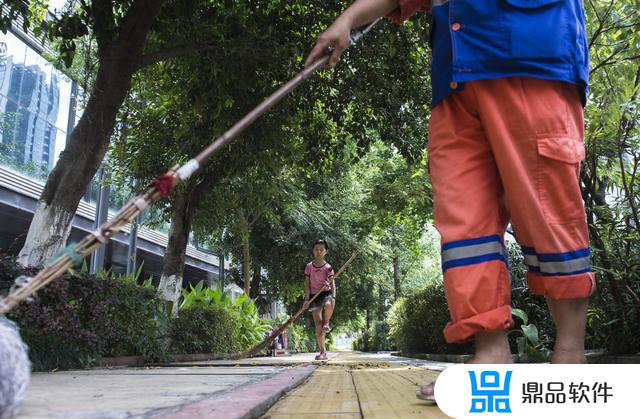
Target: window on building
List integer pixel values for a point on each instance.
(34, 108)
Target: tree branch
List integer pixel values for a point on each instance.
(610, 60)
(139, 18)
(626, 125)
(102, 12)
(601, 21)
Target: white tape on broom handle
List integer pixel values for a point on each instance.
(188, 169)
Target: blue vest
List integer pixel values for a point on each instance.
(481, 39)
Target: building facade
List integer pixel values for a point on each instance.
(39, 106)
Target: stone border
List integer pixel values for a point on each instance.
(593, 357)
(121, 361)
(246, 401)
(459, 359)
(137, 361)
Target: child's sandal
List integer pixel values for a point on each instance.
(426, 393)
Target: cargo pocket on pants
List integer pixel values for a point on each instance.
(558, 186)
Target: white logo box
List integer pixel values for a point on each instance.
(540, 391)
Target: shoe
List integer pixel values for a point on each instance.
(426, 393)
(321, 357)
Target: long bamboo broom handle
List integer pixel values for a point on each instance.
(159, 188)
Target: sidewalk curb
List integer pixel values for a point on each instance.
(246, 401)
(459, 359)
(593, 357)
(138, 361)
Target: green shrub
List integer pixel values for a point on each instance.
(613, 327)
(375, 339)
(9, 271)
(205, 329)
(252, 329)
(416, 322)
(380, 337)
(137, 315)
(363, 341)
(51, 352)
(79, 318)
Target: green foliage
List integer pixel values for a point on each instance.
(300, 339)
(527, 340)
(32, 13)
(63, 29)
(613, 328)
(610, 185)
(375, 339)
(134, 278)
(416, 322)
(79, 318)
(206, 329)
(251, 328)
(363, 341)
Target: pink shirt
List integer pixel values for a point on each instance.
(318, 276)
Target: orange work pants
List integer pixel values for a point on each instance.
(504, 150)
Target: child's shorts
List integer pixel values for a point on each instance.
(318, 303)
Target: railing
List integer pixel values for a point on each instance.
(14, 181)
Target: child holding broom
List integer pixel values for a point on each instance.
(509, 81)
(319, 279)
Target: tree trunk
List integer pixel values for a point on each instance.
(255, 282)
(245, 264)
(170, 286)
(381, 305)
(367, 318)
(396, 277)
(246, 260)
(67, 182)
(183, 209)
(48, 232)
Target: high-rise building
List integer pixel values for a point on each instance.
(30, 109)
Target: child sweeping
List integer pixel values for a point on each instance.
(318, 278)
(509, 81)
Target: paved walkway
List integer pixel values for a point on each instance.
(348, 385)
(356, 385)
